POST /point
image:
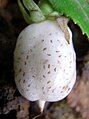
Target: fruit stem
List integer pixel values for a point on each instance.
(31, 12)
(47, 9)
(24, 12)
(41, 105)
(37, 13)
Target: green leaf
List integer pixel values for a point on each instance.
(77, 10)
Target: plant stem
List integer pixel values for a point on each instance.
(31, 11)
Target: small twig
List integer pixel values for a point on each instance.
(37, 116)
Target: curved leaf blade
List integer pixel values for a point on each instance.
(77, 10)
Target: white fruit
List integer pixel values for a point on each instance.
(44, 62)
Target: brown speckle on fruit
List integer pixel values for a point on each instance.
(59, 56)
(43, 76)
(42, 40)
(44, 66)
(19, 58)
(44, 49)
(57, 51)
(27, 57)
(23, 81)
(48, 65)
(51, 41)
(33, 76)
(30, 50)
(25, 63)
(55, 69)
(49, 87)
(42, 88)
(53, 90)
(29, 85)
(50, 34)
(20, 70)
(23, 74)
(48, 82)
(49, 54)
(48, 72)
(19, 80)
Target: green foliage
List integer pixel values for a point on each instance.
(77, 10)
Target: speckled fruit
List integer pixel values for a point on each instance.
(44, 62)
